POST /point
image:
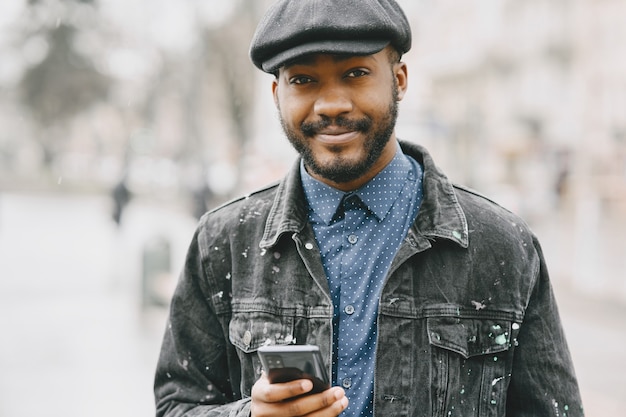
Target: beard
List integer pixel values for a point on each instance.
(343, 170)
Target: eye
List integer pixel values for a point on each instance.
(300, 80)
(356, 73)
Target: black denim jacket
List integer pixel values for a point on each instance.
(467, 325)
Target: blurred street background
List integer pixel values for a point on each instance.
(121, 121)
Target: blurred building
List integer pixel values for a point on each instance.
(526, 102)
(516, 81)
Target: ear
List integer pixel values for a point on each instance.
(402, 78)
(275, 91)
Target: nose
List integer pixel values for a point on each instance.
(332, 101)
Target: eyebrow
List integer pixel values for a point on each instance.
(310, 59)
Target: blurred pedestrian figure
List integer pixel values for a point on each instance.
(202, 199)
(121, 197)
(563, 173)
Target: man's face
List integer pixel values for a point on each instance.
(339, 113)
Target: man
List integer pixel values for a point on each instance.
(425, 298)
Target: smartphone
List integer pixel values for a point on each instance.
(283, 363)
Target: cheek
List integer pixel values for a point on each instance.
(292, 112)
(376, 100)
(375, 104)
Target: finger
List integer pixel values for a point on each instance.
(328, 403)
(276, 399)
(334, 396)
(267, 392)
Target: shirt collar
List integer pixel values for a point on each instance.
(378, 194)
(323, 199)
(441, 215)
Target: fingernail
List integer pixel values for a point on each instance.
(339, 394)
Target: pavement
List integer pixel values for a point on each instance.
(596, 335)
(77, 341)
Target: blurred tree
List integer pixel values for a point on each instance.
(228, 59)
(65, 82)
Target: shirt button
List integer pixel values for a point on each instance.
(352, 239)
(346, 383)
(349, 309)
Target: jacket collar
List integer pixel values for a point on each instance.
(440, 216)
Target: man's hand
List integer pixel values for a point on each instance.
(278, 399)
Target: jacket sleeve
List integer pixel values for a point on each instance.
(197, 373)
(543, 381)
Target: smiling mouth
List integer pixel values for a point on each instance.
(336, 131)
(338, 137)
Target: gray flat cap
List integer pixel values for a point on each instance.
(293, 28)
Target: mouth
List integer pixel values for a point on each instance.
(336, 132)
(337, 137)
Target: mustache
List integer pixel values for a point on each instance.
(312, 128)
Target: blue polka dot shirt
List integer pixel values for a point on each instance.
(358, 234)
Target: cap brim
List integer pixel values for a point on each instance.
(335, 47)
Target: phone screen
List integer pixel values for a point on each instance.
(291, 362)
